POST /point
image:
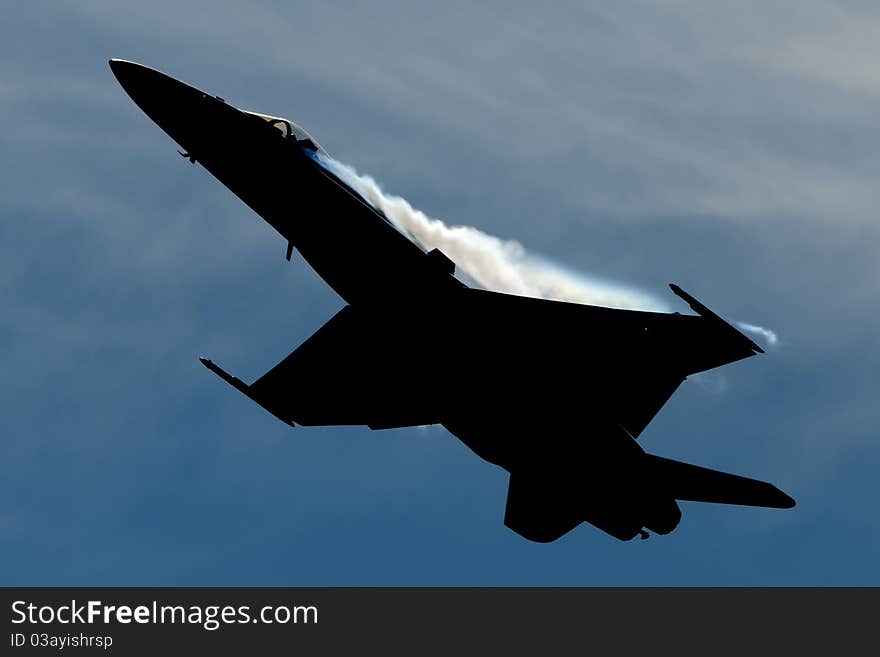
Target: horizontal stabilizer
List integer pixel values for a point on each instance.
(696, 484)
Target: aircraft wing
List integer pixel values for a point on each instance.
(459, 361)
(353, 370)
(639, 358)
(697, 343)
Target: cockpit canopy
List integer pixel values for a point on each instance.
(290, 130)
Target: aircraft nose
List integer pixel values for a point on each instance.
(151, 90)
(121, 66)
(180, 110)
(138, 81)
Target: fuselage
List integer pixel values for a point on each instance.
(277, 172)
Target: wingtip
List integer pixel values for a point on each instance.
(702, 310)
(779, 499)
(788, 501)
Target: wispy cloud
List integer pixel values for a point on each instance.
(716, 113)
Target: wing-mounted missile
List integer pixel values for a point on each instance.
(242, 387)
(704, 312)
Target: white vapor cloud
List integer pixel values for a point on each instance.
(492, 262)
(765, 333)
(504, 265)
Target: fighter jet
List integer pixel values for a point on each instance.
(557, 394)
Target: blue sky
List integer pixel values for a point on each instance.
(732, 149)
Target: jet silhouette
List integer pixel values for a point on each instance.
(555, 393)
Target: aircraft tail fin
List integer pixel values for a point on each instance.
(697, 484)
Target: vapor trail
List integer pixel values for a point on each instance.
(770, 336)
(501, 265)
(493, 263)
